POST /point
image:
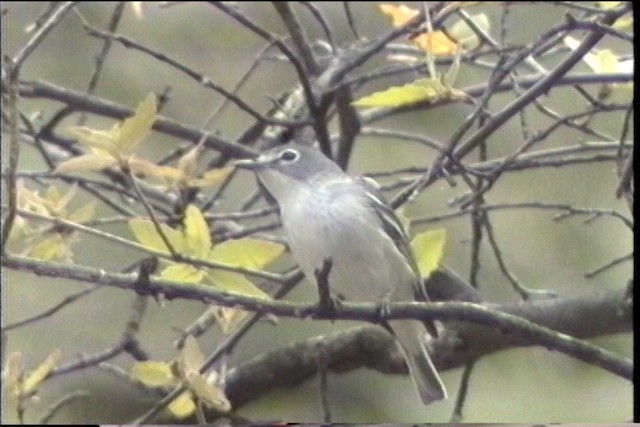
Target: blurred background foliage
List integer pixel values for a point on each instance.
(521, 385)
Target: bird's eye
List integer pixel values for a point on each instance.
(289, 155)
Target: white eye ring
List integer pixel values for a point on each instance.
(289, 155)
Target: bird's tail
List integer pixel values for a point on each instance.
(411, 337)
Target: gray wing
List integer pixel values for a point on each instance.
(394, 229)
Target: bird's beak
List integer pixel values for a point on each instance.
(251, 164)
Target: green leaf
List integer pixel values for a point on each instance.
(248, 253)
(428, 249)
(153, 373)
(426, 89)
(420, 90)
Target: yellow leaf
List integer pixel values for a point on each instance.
(212, 177)
(465, 35)
(605, 62)
(83, 214)
(13, 373)
(188, 162)
(183, 273)
(235, 283)
(210, 395)
(601, 61)
(229, 318)
(607, 5)
(153, 373)
(248, 253)
(196, 233)
(428, 249)
(420, 90)
(59, 201)
(437, 43)
(154, 171)
(85, 163)
(53, 247)
(104, 141)
(399, 14)
(190, 358)
(33, 381)
(623, 22)
(182, 406)
(145, 232)
(138, 127)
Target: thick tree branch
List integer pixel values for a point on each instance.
(372, 347)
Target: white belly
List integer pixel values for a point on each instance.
(366, 266)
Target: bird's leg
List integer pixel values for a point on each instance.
(327, 301)
(384, 309)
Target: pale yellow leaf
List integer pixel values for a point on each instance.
(153, 373)
(229, 318)
(601, 61)
(152, 170)
(465, 35)
(182, 406)
(33, 381)
(196, 232)
(210, 395)
(85, 163)
(84, 213)
(145, 232)
(190, 358)
(137, 127)
(53, 247)
(604, 61)
(13, 373)
(183, 273)
(105, 141)
(623, 22)
(607, 5)
(235, 283)
(188, 162)
(58, 200)
(248, 253)
(212, 177)
(428, 249)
